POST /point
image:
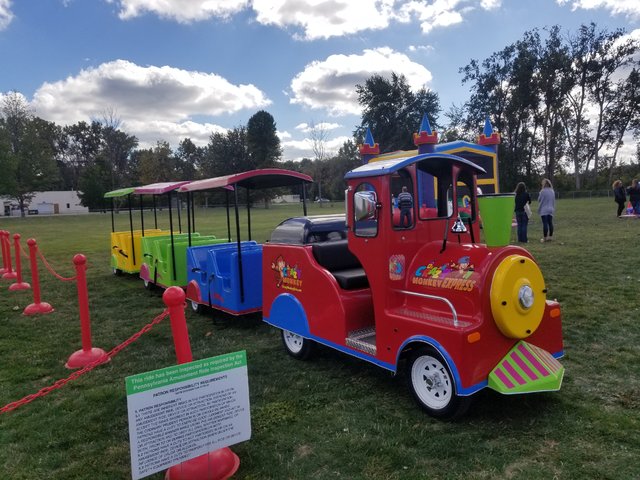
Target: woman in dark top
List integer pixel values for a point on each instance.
(634, 195)
(619, 195)
(522, 198)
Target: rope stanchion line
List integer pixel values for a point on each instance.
(78, 373)
(53, 272)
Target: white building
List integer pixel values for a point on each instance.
(46, 203)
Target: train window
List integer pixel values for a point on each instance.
(436, 190)
(365, 209)
(465, 197)
(402, 200)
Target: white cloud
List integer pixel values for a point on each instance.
(298, 149)
(629, 8)
(148, 133)
(325, 18)
(306, 128)
(314, 19)
(182, 11)
(420, 48)
(283, 135)
(153, 102)
(330, 84)
(6, 15)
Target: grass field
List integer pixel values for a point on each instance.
(333, 416)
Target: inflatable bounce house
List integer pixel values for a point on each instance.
(484, 153)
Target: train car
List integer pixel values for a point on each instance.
(228, 276)
(126, 244)
(164, 255)
(459, 315)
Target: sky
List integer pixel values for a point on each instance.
(171, 69)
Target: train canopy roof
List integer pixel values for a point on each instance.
(253, 179)
(388, 167)
(121, 192)
(159, 188)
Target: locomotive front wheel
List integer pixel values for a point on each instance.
(297, 346)
(148, 285)
(433, 386)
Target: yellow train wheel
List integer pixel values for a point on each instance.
(518, 296)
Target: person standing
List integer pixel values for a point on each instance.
(523, 199)
(546, 209)
(405, 203)
(634, 196)
(619, 195)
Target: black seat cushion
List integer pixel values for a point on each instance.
(351, 278)
(343, 265)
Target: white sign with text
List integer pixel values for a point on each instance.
(181, 412)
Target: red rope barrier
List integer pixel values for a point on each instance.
(52, 271)
(78, 373)
(24, 254)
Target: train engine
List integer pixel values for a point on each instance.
(415, 289)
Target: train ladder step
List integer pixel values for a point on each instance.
(363, 339)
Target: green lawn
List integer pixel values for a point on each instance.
(333, 416)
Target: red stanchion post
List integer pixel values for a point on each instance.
(37, 306)
(219, 464)
(3, 247)
(10, 274)
(88, 354)
(19, 284)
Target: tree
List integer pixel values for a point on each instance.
(318, 135)
(263, 148)
(28, 154)
(393, 112)
(553, 86)
(188, 158)
(117, 155)
(263, 144)
(597, 55)
(157, 164)
(626, 114)
(226, 153)
(80, 145)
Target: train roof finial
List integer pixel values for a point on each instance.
(369, 148)
(489, 136)
(426, 138)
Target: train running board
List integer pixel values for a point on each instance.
(363, 339)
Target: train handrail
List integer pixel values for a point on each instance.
(434, 297)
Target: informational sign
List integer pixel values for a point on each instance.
(181, 412)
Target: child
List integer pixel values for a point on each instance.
(522, 198)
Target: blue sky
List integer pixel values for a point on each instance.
(170, 69)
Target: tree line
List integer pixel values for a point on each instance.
(562, 102)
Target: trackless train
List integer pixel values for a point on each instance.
(460, 315)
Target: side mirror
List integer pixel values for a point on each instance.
(364, 205)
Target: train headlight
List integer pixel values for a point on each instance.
(525, 296)
(518, 296)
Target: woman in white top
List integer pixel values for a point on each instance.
(546, 209)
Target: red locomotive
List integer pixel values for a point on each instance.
(463, 315)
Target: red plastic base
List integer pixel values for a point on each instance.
(9, 275)
(19, 286)
(35, 308)
(217, 465)
(82, 358)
